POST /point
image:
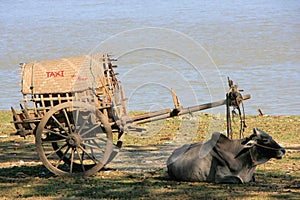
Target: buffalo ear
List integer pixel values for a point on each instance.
(250, 144)
(245, 141)
(259, 133)
(256, 131)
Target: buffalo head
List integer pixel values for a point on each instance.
(263, 147)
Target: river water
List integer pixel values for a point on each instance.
(192, 46)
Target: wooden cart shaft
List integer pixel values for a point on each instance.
(168, 113)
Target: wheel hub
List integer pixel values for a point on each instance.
(74, 140)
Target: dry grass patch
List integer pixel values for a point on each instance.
(22, 175)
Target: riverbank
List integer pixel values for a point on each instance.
(138, 172)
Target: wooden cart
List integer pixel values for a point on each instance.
(76, 109)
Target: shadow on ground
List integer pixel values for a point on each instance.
(35, 181)
(136, 173)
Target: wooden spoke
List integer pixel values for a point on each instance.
(93, 138)
(67, 120)
(58, 123)
(97, 144)
(93, 146)
(72, 160)
(89, 130)
(52, 141)
(82, 126)
(57, 150)
(92, 151)
(76, 117)
(81, 160)
(61, 158)
(91, 157)
(54, 132)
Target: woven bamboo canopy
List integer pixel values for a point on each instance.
(63, 75)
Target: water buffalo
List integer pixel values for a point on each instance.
(221, 160)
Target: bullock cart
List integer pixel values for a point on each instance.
(76, 109)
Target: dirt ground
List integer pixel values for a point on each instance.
(139, 170)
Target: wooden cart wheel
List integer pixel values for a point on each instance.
(74, 139)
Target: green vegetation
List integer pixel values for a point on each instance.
(22, 175)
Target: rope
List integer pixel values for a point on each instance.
(190, 112)
(100, 79)
(242, 120)
(266, 147)
(93, 76)
(32, 82)
(251, 156)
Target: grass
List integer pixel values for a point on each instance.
(22, 175)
